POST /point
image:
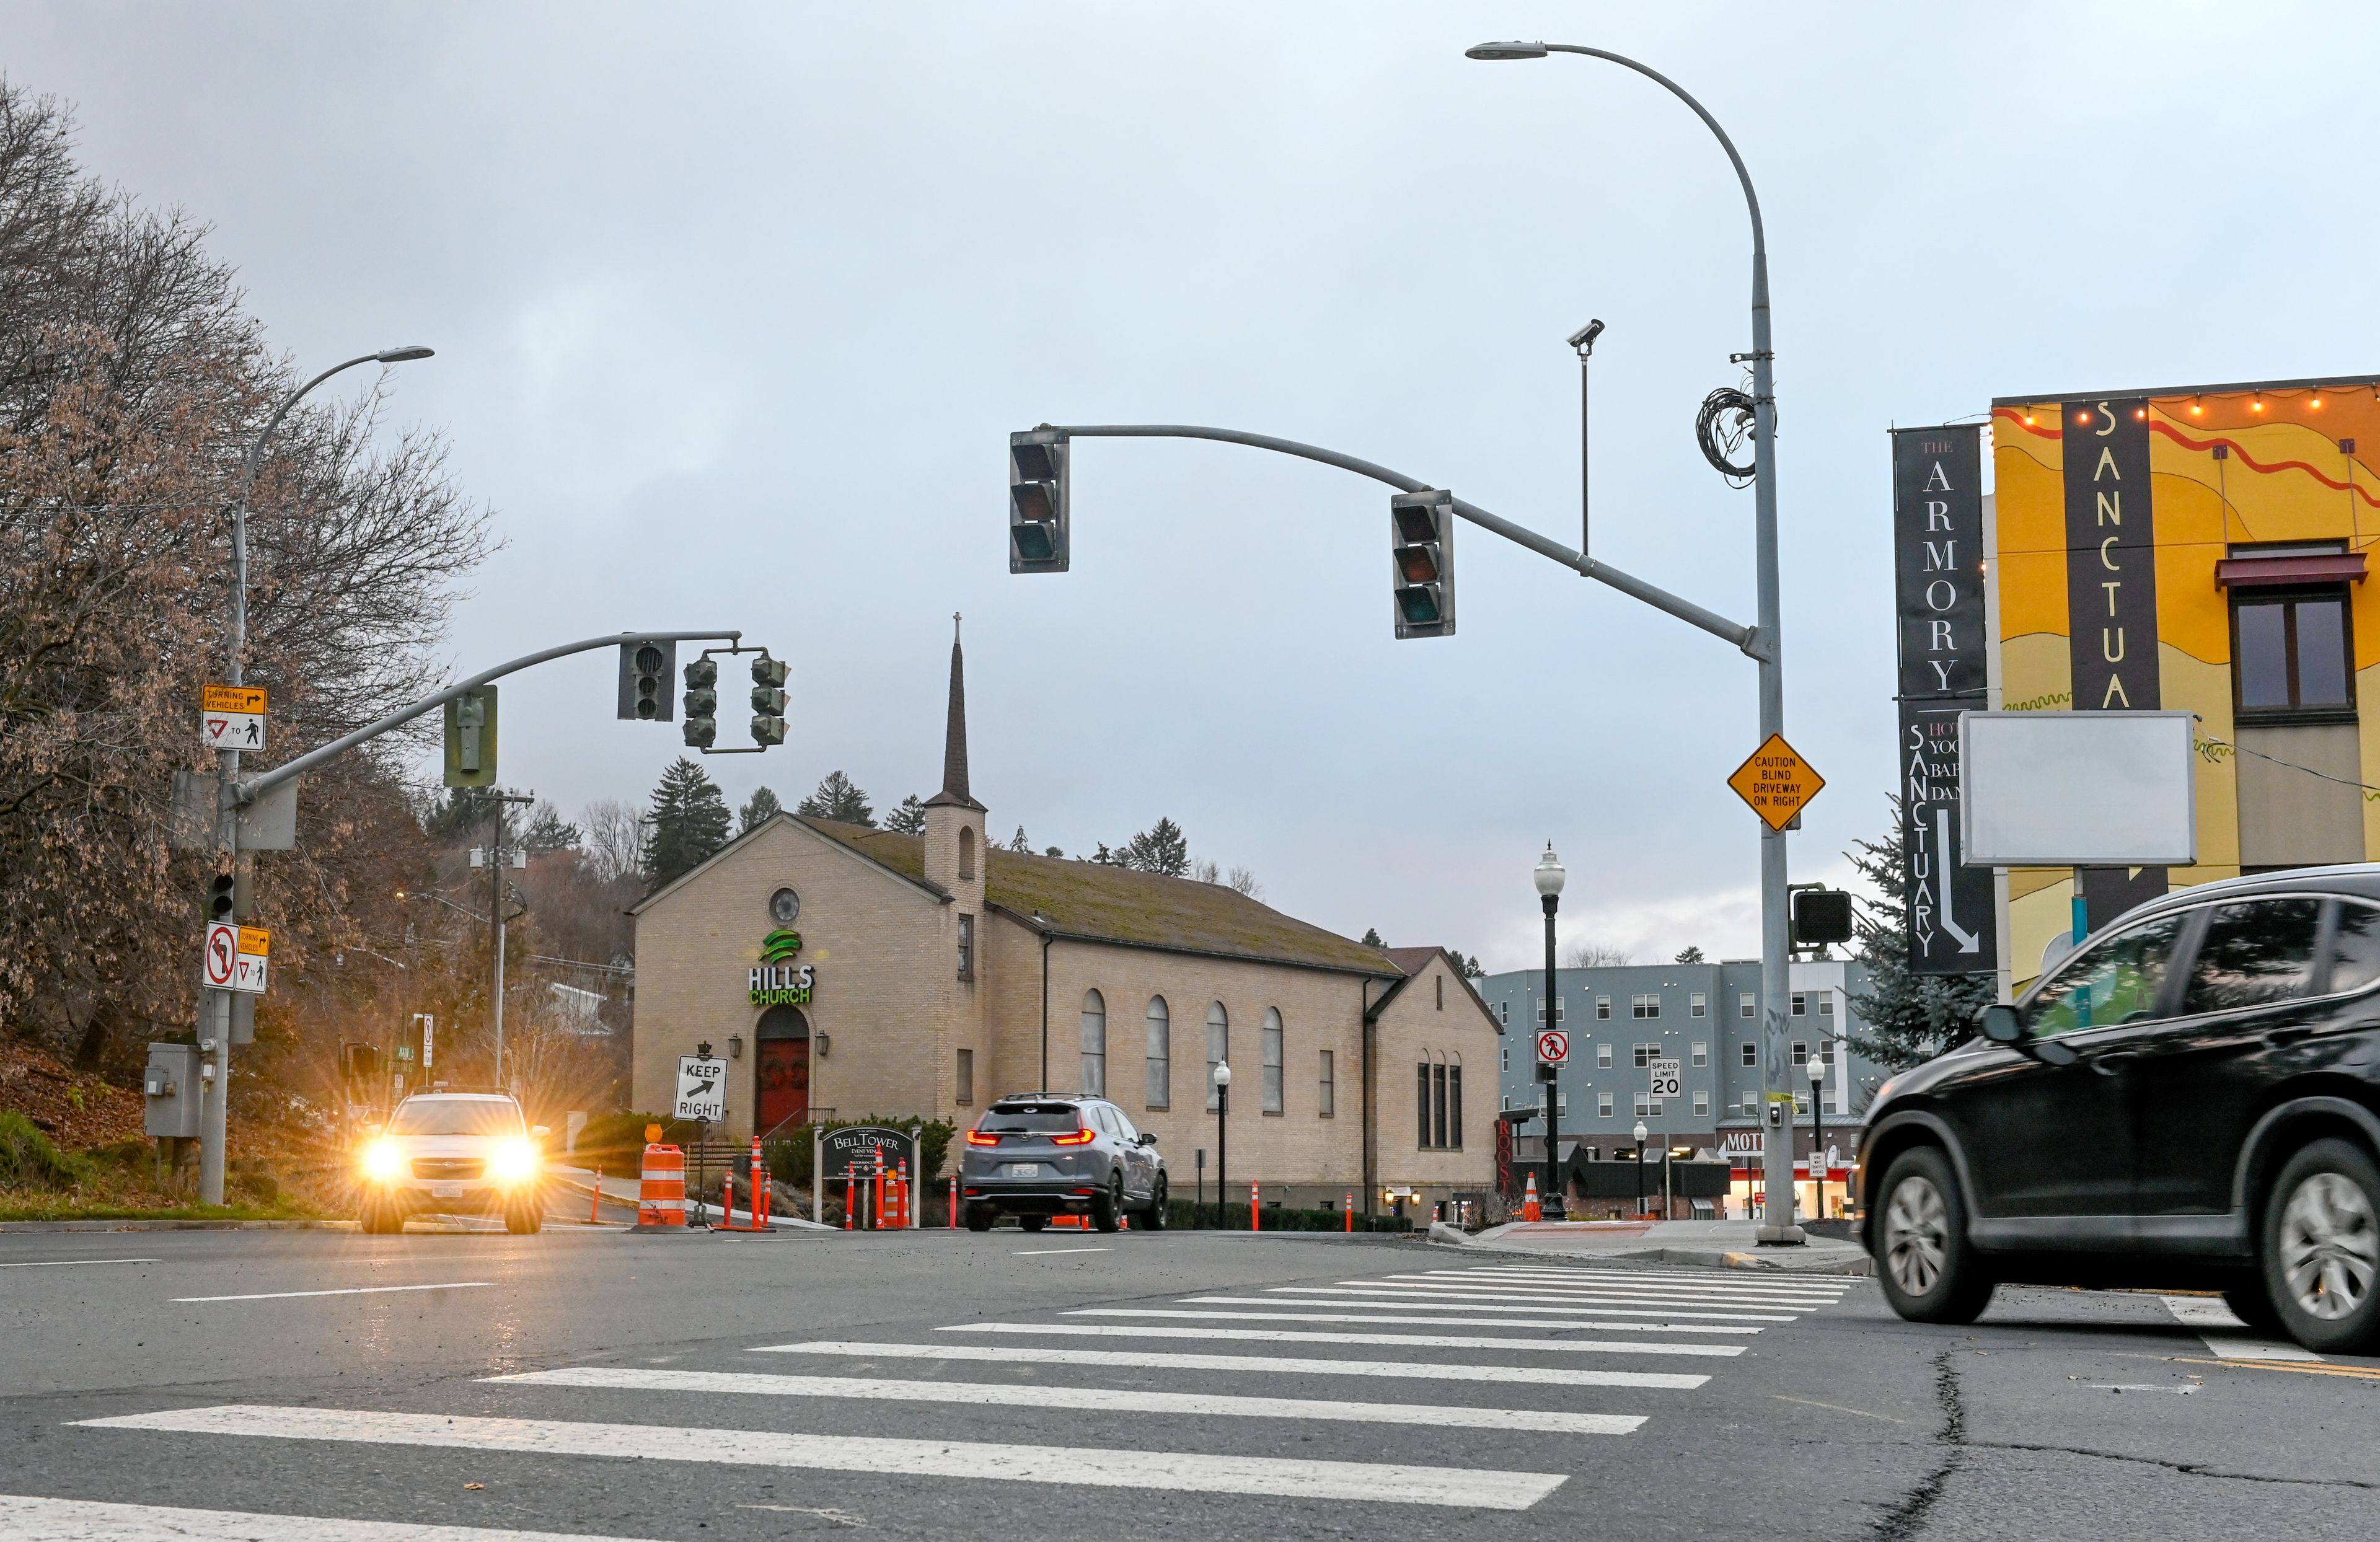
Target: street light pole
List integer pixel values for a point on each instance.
(214, 1007)
(1641, 1134)
(1777, 1161)
(1222, 1110)
(1817, 1069)
(1550, 877)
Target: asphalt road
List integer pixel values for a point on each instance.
(1071, 1386)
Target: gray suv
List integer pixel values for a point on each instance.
(1039, 1154)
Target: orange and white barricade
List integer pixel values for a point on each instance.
(661, 1197)
(1252, 1213)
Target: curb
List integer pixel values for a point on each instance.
(133, 1224)
(1859, 1264)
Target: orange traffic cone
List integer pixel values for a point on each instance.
(1530, 1209)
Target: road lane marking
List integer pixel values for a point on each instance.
(966, 1393)
(1603, 1287)
(69, 1263)
(1838, 1408)
(1092, 1467)
(92, 1521)
(1697, 1306)
(1550, 1376)
(1429, 1303)
(1763, 1280)
(1052, 1252)
(1277, 1336)
(2209, 1315)
(352, 1289)
(1377, 1318)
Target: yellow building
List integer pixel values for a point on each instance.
(2198, 549)
(845, 971)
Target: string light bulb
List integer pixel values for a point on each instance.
(2140, 412)
(2081, 417)
(2315, 402)
(2198, 404)
(2258, 405)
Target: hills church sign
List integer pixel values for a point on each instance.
(776, 981)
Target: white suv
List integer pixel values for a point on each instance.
(453, 1153)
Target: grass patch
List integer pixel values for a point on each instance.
(119, 1182)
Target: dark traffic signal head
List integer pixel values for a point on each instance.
(1820, 917)
(769, 699)
(645, 669)
(1421, 536)
(1038, 540)
(223, 902)
(701, 703)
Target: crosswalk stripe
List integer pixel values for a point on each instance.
(45, 1520)
(1277, 1336)
(1481, 1316)
(1596, 1279)
(1095, 1467)
(1605, 1292)
(1620, 1305)
(1465, 1320)
(1572, 1298)
(1550, 1376)
(2211, 1317)
(964, 1393)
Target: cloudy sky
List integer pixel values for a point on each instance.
(735, 306)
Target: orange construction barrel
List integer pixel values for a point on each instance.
(661, 1199)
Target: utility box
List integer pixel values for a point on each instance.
(170, 1092)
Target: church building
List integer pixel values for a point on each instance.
(845, 971)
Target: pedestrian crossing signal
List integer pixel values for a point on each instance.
(1421, 533)
(1037, 536)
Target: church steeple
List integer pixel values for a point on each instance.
(955, 791)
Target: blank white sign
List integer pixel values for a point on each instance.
(2078, 789)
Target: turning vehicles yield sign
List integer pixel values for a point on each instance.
(1554, 1047)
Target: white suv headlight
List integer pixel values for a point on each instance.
(383, 1159)
(513, 1160)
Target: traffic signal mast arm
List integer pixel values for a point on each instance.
(248, 789)
(1746, 638)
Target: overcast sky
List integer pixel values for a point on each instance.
(735, 306)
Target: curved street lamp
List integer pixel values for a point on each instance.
(1775, 934)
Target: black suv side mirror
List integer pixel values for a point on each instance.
(2002, 1025)
(1147, 1139)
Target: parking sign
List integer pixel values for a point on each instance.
(1554, 1047)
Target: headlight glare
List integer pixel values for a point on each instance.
(383, 1159)
(513, 1160)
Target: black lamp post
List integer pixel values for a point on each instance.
(1549, 876)
(1223, 1107)
(1818, 1070)
(1641, 1134)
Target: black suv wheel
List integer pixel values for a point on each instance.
(980, 1217)
(1928, 1269)
(2321, 1252)
(1107, 1211)
(1157, 1206)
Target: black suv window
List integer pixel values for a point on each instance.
(2355, 948)
(2255, 952)
(1031, 1119)
(2115, 980)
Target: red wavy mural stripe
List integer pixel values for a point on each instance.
(2250, 462)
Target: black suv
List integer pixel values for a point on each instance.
(2191, 1101)
(1041, 1154)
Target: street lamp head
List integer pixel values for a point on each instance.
(1550, 873)
(1505, 50)
(1816, 1070)
(1640, 1132)
(405, 354)
(1223, 1073)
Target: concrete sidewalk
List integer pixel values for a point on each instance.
(620, 1195)
(1710, 1244)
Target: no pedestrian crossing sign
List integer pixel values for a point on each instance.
(1666, 1080)
(1553, 1047)
(1776, 782)
(702, 1088)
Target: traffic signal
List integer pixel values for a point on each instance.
(1820, 917)
(1421, 535)
(227, 897)
(645, 669)
(1037, 502)
(471, 738)
(769, 699)
(702, 703)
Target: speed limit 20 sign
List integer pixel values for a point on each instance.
(1553, 1047)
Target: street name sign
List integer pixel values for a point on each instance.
(1776, 782)
(1666, 1080)
(702, 1088)
(1553, 1047)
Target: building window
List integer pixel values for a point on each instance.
(1647, 1106)
(1559, 1004)
(1801, 1004)
(967, 852)
(1702, 1054)
(1160, 1054)
(1095, 1044)
(1701, 1103)
(1697, 1006)
(1421, 1105)
(964, 1076)
(1646, 1055)
(1603, 1008)
(1746, 1007)
(1218, 1034)
(1603, 1104)
(1453, 1131)
(1439, 980)
(1800, 1053)
(1801, 1104)
(1503, 1058)
(966, 947)
(1644, 1005)
(1271, 1043)
(2290, 655)
(1825, 1004)
(1751, 1105)
(1329, 1083)
(1437, 1105)
(1504, 1013)
(1603, 1057)
(1751, 1054)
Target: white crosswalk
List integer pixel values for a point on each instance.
(1586, 1338)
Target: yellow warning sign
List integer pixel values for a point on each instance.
(1777, 782)
(256, 940)
(231, 699)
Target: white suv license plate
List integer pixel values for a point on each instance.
(445, 1191)
(1025, 1169)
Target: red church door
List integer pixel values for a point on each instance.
(783, 1069)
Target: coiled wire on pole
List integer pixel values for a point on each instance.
(1721, 428)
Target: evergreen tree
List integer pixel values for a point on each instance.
(1161, 848)
(547, 832)
(1690, 956)
(907, 819)
(466, 813)
(1471, 969)
(1910, 1017)
(688, 817)
(762, 807)
(841, 799)
(1372, 938)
